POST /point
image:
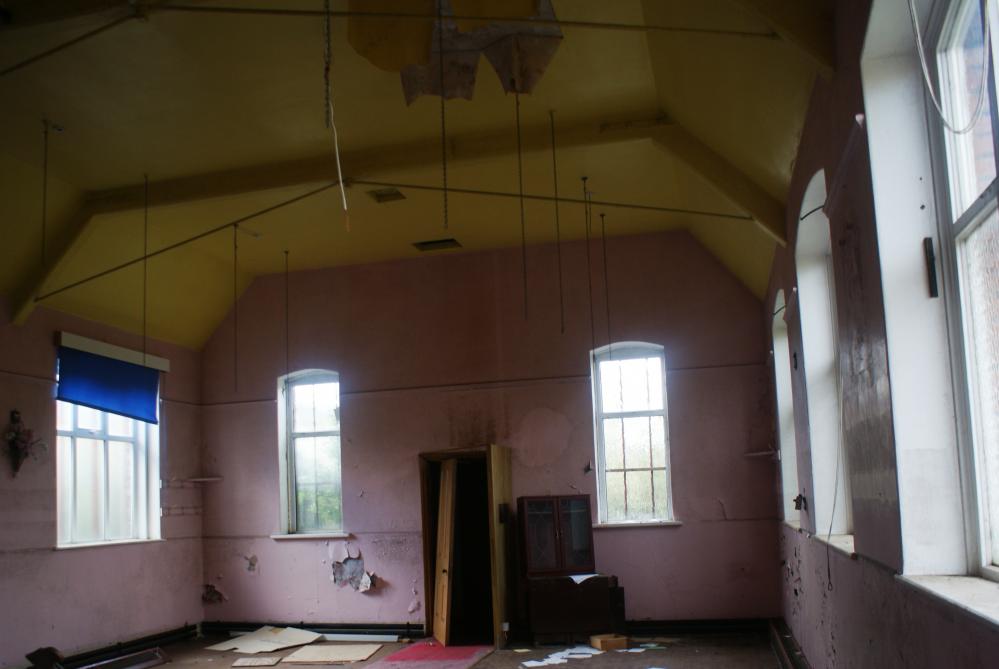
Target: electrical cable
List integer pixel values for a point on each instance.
(589, 263)
(520, 186)
(603, 238)
(45, 183)
(330, 116)
(235, 308)
(558, 232)
(287, 319)
(145, 261)
(443, 112)
(927, 81)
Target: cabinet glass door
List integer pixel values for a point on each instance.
(541, 542)
(576, 534)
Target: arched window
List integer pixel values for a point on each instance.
(817, 308)
(788, 442)
(309, 427)
(631, 433)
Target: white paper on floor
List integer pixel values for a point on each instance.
(563, 656)
(267, 639)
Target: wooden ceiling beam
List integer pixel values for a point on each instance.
(803, 24)
(368, 163)
(766, 210)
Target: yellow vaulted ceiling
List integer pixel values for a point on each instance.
(238, 98)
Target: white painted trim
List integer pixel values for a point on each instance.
(100, 544)
(637, 523)
(977, 596)
(80, 343)
(314, 536)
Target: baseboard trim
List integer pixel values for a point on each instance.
(133, 646)
(787, 649)
(409, 630)
(713, 626)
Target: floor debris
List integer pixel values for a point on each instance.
(256, 661)
(267, 639)
(332, 653)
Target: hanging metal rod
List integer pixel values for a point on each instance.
(549, 198)
(65, 45)
(563, 23)
(378, 184)
(189, 240)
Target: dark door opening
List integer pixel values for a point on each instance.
(470, 614)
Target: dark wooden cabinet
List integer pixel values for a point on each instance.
(556, 534)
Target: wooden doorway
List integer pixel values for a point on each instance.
(467, 522)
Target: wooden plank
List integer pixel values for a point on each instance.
(445, 551)
(499, 466)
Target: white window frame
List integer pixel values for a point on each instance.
(288, 503)
(146, 483)
(617, 352)
(954, 227)
(787, 439)
(831, 509)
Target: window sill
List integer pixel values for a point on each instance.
(101, 544)
(638, 523)
(313, 536)
(977, 596)
(841, 542)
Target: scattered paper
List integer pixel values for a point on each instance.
(256, 661)
(267, 639)
(579, 578)
(332, 653)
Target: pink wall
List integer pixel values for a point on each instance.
(868, 618)
(435, 353)
(90, 597)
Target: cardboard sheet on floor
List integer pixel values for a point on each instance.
(267, 639)
(332, 653)
(256, 661)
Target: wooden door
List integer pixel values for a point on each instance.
(445, 551)
(500, 493)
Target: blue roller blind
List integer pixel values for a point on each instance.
(108, 384)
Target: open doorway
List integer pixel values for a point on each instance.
(466, 497)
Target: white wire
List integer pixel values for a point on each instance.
(979, 106)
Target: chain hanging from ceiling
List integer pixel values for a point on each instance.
(235, 307)
(520, 191)
(440, 61)
(145, 262)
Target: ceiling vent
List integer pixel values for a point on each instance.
(383, 195)
(437, 244)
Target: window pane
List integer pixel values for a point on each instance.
(637, 451)
(88, 419)
(327, 406)
(631, 385)
(121, 487)
(615, 496)
(89, 490)
(327, 459)
(303, 408)
(119, 426)
(305, 460)
(306, 508)
(328, 506)
(64, 485)
(639, 495)
(613, 443)
(610, 386)
(660, 493)
(658, 425)
(962, 61)
(64, 416)
(981, 259)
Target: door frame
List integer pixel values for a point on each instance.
(492, 455)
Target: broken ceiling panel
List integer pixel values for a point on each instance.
(519, 52)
